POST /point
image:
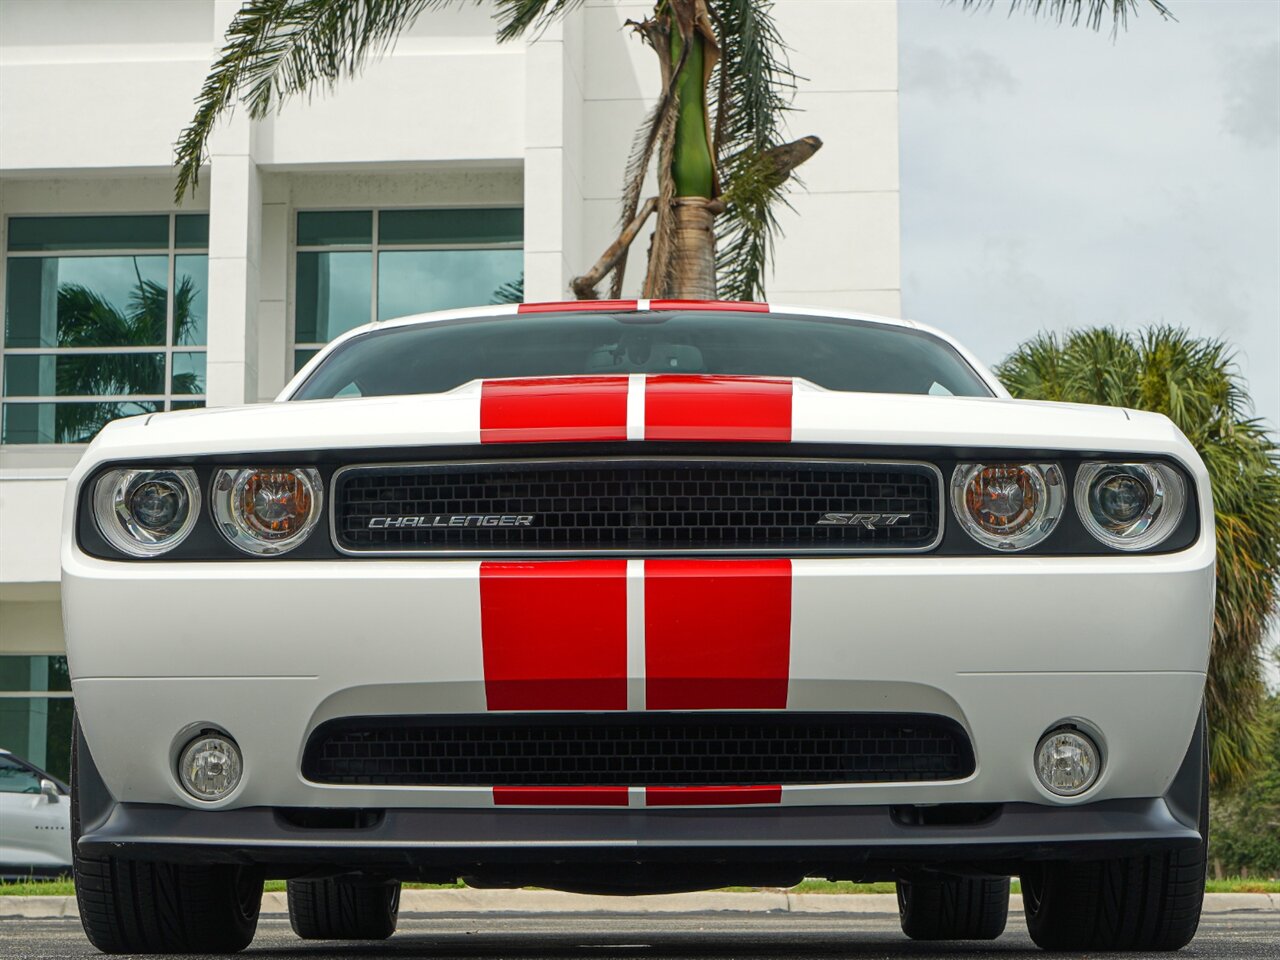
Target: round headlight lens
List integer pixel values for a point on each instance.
(1007, 506)
(267, 511)
(1130, 506)
(210, 766)
(1067, 762)
(144, 513)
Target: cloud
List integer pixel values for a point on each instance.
(945, 74)
(1252, 96)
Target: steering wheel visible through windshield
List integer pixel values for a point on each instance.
(839, 354)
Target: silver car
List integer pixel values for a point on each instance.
(35, 821)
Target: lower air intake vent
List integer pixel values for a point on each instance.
(637, 749)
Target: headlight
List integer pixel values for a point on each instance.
(1130, 506)
(1007, 506)
(267, 511)
(145, 513)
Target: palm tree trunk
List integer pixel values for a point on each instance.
(693, 267)
(693, 270)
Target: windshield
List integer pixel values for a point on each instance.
(837, 354)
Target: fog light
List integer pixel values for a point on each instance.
(210, 766)
(1067, 762)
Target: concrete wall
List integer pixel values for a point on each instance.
(93, 94)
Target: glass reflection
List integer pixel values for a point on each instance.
(86, 301)
(191, 300)
(83, 374)
(415, 281)
(189, 372)
(333, 291)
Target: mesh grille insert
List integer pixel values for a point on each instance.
(637, 749)
(645, 506)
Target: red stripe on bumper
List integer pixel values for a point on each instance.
(703, 796)
(553, 409)
(554, 634)
(717, 408)
(578, 306)
(741, 306)
(717, 634)
(561, 796)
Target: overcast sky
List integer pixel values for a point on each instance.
(1054, 178)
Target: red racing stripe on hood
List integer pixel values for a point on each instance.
(689, 407)
(717, 634)
(554, 634)
(553, 409)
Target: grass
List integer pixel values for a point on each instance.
(65, 888)
(1242, 885)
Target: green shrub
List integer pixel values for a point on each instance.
(1244, 830)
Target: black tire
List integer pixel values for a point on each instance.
(141, 906)
(1128, 903)
(953, 908)
(344, 908)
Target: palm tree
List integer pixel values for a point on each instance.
(715, 134)
(1193, 382)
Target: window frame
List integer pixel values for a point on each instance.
(373, 248)
(171, 252)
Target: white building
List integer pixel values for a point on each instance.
(450, 168)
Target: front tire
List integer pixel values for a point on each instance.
(143, 906)
(953, 908)
(1130, 903)
(344, 909)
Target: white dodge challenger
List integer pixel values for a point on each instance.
(640, 596)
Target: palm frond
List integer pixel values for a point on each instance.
(753, 82)
(1093, 13)
(276, 49)
(517, 17)
(510, 292)
(746, 231)
(638, 160)
(757, 77)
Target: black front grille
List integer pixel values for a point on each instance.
(637, 506)
(638, 749)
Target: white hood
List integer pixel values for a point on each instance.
(817, 416)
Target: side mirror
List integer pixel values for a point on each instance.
(49, 790)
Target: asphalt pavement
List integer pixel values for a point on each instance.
(1244, 934)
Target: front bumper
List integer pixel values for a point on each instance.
(1005, 646)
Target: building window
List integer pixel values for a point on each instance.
(354, 266)
(104, 317)
(36, 711)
